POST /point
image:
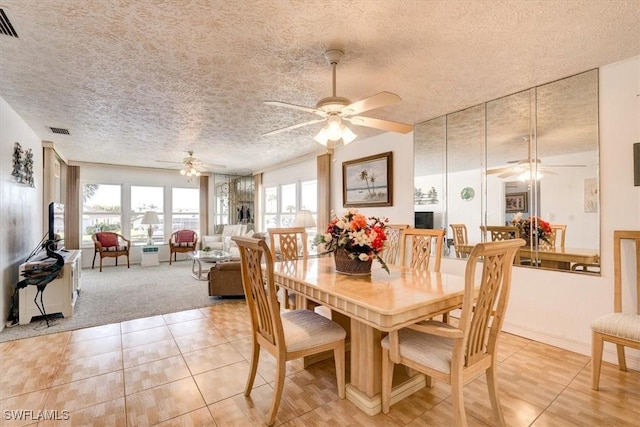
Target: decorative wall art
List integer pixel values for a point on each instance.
(516, 202)
(467, 194)
(22, 165)
(590, 195)
(368, 181)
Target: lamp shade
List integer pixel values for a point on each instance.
(304, 218)
(150, 217)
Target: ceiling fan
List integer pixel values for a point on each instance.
(335, 110)
(192, 166)
(526, 168)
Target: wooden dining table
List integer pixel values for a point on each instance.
(374, 304)
(558, 258)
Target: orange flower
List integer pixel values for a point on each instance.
(358, 222)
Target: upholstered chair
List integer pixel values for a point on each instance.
(182, 241)
(109, 245)
(285, 335)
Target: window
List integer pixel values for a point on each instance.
(145, 199)
(288, 205)
(186, 209)
(101, 210)
(283, 201)
(270, 207)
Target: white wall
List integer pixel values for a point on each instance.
(402, 147)
(21, 214)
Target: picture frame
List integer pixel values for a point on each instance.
(368, 181)
(516, 202)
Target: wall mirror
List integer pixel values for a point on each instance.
(532, 154)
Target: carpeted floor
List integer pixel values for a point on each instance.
(119, 294)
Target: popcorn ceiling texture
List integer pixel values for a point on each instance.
(141, 81)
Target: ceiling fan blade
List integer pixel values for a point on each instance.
(299, 125)
(380, 124)
(499, 170)
(509, 174)
(378, 100)
(296, 107)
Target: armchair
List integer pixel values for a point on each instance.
(182, 241)
(109, 244)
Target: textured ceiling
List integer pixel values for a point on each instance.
(138, 82)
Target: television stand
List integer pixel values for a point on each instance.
(59, 296)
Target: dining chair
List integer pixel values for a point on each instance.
(620, 328)
(499, 232)
(286, 335)
(422, 244)
(558, 233)
(291, 244)
(459, 238)
(456, 355)
(392, 247)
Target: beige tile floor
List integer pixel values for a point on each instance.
(189, 369)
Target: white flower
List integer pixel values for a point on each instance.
(363, 257)
(360, 238)
(341, 224)
(327, 237)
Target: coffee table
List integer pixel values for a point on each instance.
(199, 257)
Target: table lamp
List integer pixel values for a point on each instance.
(304, 218)
(150, 218)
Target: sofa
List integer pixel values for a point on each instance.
(225, 280)
(217, 241)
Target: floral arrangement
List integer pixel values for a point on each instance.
(361, 237)
(532, 226)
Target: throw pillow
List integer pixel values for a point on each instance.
(249, 233)
(107, 239)
(184, 236)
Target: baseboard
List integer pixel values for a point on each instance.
(608, 355)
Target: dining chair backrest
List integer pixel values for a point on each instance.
(557, 237)
(459, 238)
(288, 243)
(498, 233)
(392, 247)
(622, 326)
(419, 245)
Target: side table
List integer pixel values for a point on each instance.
(149, 256)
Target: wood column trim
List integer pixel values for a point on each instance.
(204, 207)
(324, 190)
(72, 209)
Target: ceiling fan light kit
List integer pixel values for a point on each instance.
(335, 110)
(189, 166)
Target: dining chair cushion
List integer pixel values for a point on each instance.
(107, 239)
(305, 329)
(428, 350)
(620, 325)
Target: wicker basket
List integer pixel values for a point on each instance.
(352, 267)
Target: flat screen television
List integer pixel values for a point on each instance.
(424, 220)
(56, 225)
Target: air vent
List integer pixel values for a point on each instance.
(60, 131)
(6, 27)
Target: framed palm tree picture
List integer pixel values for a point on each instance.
(368, 181)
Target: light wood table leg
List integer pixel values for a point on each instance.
(366, 371)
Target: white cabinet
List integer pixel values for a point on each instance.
(149, 256)
(59, 296)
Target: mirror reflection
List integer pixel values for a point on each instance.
(525, 165)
